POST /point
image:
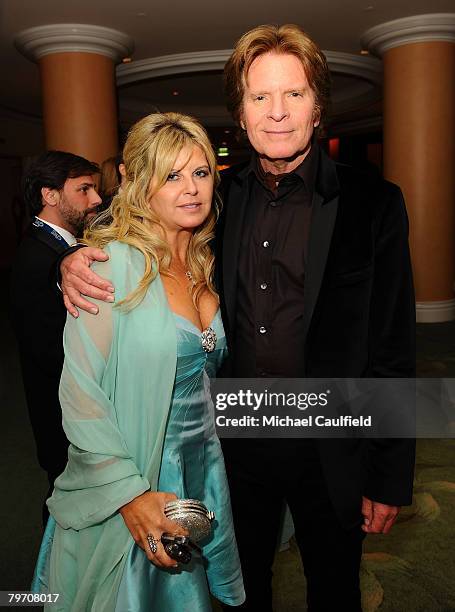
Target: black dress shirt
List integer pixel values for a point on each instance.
(271, 271)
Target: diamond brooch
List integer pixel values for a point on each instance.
(208, 339)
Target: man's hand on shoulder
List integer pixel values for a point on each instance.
(79, 280)
(377, 517)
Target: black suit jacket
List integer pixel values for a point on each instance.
(359, 314)
(38, 316)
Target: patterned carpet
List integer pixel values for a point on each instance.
(412, 569)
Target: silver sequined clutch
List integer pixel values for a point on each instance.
(192, 515)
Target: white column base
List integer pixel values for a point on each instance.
(435, 312)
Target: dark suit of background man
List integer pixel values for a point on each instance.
(60, 192)
(315, 280)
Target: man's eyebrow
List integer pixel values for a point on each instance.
(298, 88)
(264, 92)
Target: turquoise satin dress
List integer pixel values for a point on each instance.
(192, 466)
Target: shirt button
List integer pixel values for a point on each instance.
(266, 244)
(263, 286)
(273, 204)
(262, 330)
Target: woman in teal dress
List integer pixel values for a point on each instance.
(135, 395)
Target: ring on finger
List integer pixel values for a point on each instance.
(153, 544)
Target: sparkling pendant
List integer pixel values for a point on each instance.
(190, 277)
(208, 339)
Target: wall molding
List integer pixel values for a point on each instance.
(367, 68)
(435, 312)
(407, 30)
(37, 42)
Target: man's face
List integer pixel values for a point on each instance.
(77, 203)
(279, 110)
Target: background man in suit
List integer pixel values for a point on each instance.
(314, 275)
(59, 190)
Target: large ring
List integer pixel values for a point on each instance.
(152, 543)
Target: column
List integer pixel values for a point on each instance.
(419, 146)
(77, 70)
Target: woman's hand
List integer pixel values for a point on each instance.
(78, 279)
(143, 516)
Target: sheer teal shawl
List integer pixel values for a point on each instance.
(115, 393)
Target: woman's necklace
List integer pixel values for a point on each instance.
(190, 277)
(208, 336)
(176, 270)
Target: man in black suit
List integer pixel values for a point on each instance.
(314, 276)
(315, 281)
(59, 190)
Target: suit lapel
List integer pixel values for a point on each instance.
(325, 206)
(235, 206)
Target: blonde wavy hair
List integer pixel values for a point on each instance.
(150, 151)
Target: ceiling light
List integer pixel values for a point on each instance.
(175, 93)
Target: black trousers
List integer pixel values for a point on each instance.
(262, 475)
